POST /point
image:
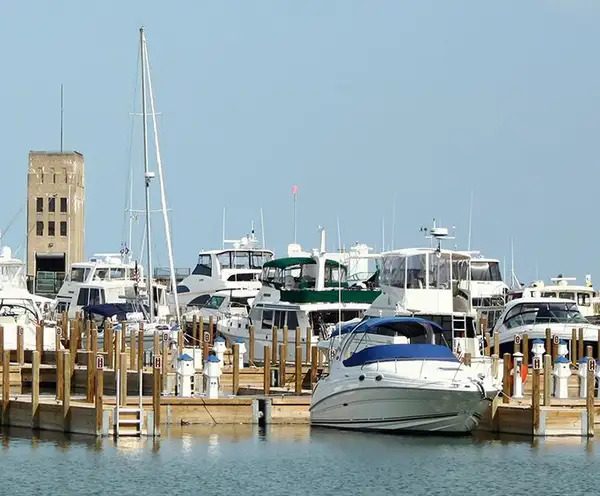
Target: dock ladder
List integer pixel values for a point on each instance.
(128, 420)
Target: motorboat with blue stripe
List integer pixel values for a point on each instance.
(389, 375)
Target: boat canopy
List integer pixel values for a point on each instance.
(284, 263)
(112, 309)
(391, 352)
(409, 327)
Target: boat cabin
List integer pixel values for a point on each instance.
(294, 273)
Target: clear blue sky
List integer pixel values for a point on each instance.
(351, 101)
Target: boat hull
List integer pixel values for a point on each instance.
(397, 408)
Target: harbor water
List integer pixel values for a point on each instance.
(234, 460)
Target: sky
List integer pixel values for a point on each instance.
(363, 105)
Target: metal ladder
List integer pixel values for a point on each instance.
(459, 324)
(131, 425)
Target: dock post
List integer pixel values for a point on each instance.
(251, 346)
(94, 339)
(488, 344)
(200, 330)
(581, 344)
(5, 385)
(314, 365)
(297, 338)
(525, 351)
(547, 379)
(156, 349)
(108, 345)
(298, 366)
(156, 386)
(140, 350)
(88, 336)
(180, 342)
(535, 396)
(589, 400)
(495, 363)
(267, 370)
(123, 336)
(99, 387)
(517, 344)
(286, 339)
(274, 342)
(236, 368)
(506, 379)
(72, 347)
(123, 377)
(35, 390)
(20, 347)
(496, 344)
(132, 350)
(90, 363)
(165, 360)
(308, 354)
(1, 341)
(555, 341)
(573, 347)
(117, 358)
(39, 338)
(548, 343)
(66, 388)
(282, 355)
(59, 374)
(195, 331)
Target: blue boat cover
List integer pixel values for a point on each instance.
(390, 352)
(112, 309)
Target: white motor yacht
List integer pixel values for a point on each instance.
(388, 375)
(533, 315)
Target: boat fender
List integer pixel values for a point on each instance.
(524, 370)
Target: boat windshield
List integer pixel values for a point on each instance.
(239, 259)
(79, 274)
(485, 271)
(214, 302)
(543, 313)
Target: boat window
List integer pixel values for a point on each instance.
(485, 271)
(583, 299)
(96, 296)
(78, 274)
(204, 266)
(242, 277)
(258, 259)
(82, 297)
(117, 273)
(100, 274)
(267, 319)
(199, 300)
(393, 271)
(240, 260)
(439, 270)
(292, 319)
(416, 272)
(214, 302)
(460, 270)
(549, 294)
(268, 274)
(567, 295)
(224, 260)
(543, 313)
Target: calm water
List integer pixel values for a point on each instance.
(293, 461)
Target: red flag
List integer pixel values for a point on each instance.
(294, 190)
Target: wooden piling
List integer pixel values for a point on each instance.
(123, 377)
(66, 391)
(298, 367)
(495, 363)
(581, 347)
(236, 368)
(547, 379)
(35, 389)
(140, 349)
(20, 347)
(205, 351)
(180, 343)
(589, 399)
(282, 355)
(285, 338)
(200, 329)
(211, 329)
(274, 343)
(548, 343)
(156, 347)
(251, 346)
(94, 336)
(123, 336)
(535, 401)
(573, 347)
(91, 376)
(165, 362)
(194, 330)
(506, 379)
(2, 341)
(488, 344)
(517, 344)
(267, 370)
(5, 385)
(314, 364)
(496, 344)
(59, 374)
(555, 341)
(308, 354)
(156, 387)
(109, 345)
(88, 336)
(39, 338)
(117, 361)
(132, 350)
(525, 343)
(99, 390)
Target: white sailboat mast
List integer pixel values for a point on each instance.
(163, 198)
(147, 175)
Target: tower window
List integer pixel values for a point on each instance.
(63, 205)
(39, 228)
(51, 228)
(63, 228)
(39, 205)
(51, 204)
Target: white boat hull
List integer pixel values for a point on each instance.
(402, 408)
